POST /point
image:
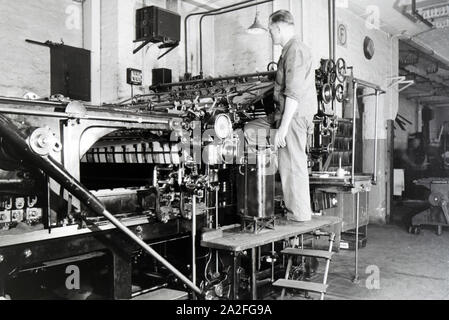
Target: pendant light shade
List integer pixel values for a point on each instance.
(256, 27)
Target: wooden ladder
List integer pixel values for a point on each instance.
(305, 285)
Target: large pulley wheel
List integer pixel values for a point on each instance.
(326, 93)
(341, 70)
(332, 79)
(339, 93)
(272, 66)
(43, 141)
(329, 66)
(329, 69)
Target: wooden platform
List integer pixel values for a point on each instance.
(362, 183)
(308, 253)
(237, 240)
(301, 285)
(163, 294)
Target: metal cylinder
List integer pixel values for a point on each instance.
(375, 137)
(354, 131)
(258, 183)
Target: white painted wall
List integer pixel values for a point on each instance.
(118, 34)
(236, 51)
(108, 29)
(25, 67)
(377, 70)
(409, 109)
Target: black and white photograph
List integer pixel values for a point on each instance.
(232, 157)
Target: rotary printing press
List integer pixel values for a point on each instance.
(100, 183)
(124, 189)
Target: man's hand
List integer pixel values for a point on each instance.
(290, 109)
(281, 134)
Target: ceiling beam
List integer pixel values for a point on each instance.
(443, 105)
(419, 95)
(434, 99)
(423, 74)
(426, 51)
(440, 104)
(207, 5)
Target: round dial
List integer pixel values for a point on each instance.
(223, 126)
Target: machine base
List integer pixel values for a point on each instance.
(430, 217)
(255, 225)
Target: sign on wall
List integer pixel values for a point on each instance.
(342, 35)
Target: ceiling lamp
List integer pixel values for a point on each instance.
(256, 27)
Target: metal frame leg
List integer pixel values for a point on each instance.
(122, 272)
(328, 262)
(357, 216)
(272, 262)
(2, 287)
(235, 285)
(287, 273)
(217, 257)
(253, 274)
(194, 244)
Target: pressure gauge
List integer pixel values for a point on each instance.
(223, 126)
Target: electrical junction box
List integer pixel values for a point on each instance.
(134, 77)
(155, 24)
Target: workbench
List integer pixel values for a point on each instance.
(356, 185)
(237, 241)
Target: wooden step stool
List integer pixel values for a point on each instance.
(304, 285)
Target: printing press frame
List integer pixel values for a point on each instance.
(77, 125)
(52, 137)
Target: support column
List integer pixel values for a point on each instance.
(122, 276)
(92, 42)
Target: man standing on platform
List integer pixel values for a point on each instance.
(296, 104)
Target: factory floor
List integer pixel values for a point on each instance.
(411, 267)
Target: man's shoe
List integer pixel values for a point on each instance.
(292, 217)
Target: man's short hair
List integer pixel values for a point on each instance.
(282, 16)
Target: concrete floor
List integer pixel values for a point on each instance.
(410, 267)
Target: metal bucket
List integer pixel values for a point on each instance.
(256, 186)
